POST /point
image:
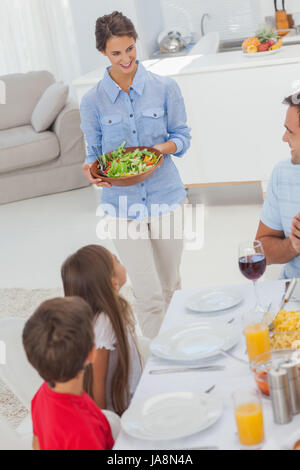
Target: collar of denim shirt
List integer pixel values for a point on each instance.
(113, 90)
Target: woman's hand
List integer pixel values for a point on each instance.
(86, 168)
(166, 148)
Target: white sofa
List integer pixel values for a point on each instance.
(34, 164)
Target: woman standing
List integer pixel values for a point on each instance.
(144, 109)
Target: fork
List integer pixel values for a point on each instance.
(97, 153)
(232, 356)
(209, 389)
(289, 289)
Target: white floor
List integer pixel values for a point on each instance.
(36, 236)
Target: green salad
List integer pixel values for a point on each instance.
(120, 162)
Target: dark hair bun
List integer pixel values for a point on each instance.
(114, 24)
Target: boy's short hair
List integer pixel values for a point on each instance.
(58, 338)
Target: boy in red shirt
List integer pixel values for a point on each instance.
(59, 343)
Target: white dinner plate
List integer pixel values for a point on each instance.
(189, 343)
(261, 54)
(171, 415)
(213, 300)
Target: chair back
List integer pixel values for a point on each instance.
(144, 348)
(114, 421)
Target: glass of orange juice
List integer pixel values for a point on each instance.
(256, 332)
(249, 418)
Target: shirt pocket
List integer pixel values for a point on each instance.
(154, 122)
(112, 128)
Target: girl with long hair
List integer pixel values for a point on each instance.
(96, 275)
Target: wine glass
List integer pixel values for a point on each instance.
(252, 264)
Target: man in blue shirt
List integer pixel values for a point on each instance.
(279, 227)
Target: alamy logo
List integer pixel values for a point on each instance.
(2, 92)
(178, 222)
(2, 353)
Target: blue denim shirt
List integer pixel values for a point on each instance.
(152, 113)
(281, 205)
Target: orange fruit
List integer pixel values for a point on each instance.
(253, 41)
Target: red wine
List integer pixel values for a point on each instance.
(253, 266)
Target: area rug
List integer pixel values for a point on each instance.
(22, 303)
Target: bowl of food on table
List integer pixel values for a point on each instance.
(265, 42)
(284, 343)
(286, 333)
(263, 362)
(127, 166)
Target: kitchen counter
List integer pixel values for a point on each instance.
(291, 38)
(220, 62)
(195, 64)
(235, 44)
(234, 108)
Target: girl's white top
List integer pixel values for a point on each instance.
(105, 338)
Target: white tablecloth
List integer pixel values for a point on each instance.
(223, 433)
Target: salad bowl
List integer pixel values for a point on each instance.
(116, 158)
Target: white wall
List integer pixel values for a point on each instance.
(85, 14)
(150, 23)
(232, 18)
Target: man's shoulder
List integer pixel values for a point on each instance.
(282, 168)
(285, 163)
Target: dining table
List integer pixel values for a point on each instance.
(222, 435)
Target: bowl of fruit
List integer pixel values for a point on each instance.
(127, 166)
(265, 42)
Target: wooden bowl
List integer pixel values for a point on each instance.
(128, 180)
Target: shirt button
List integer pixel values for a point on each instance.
(155, 115)
(143, 199)
(134, 132)
(109, 122)
(142, 184)
(131, 88)
(131, 100)
(131, 115)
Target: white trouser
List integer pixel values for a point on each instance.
(152, 263)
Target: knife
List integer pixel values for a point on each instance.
(290, 289)
(185, 369)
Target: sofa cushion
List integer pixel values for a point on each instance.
(22, 147)
(49, 106)
(23, 91)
